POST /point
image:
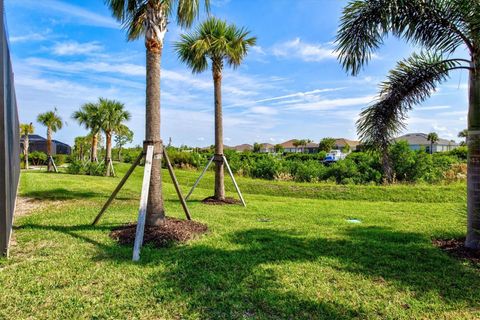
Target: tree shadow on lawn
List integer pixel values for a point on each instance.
(219, 283)
(66, 194)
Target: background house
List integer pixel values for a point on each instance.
(267, 148)
(289, 146)
(419, 141)
(341, 143)
(240, 148)
(38, 143)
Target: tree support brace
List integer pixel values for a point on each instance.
(148, 154)
(222, 159)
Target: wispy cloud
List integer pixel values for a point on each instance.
(327, 104)
(298, 49)
(28, 38)
(70, 13)
(72, 48)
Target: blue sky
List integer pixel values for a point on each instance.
(66, 53)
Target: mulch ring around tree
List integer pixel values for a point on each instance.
(170, 232)
(216, 202)
(457, 249)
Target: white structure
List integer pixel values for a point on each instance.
(334, 156)
(419, 141)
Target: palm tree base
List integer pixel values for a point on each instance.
(215, 201)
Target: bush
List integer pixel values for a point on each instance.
(88, 168)
(265, 168)
(60, 159)
(37, 158)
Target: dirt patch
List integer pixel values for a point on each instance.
(456, 248)
(170, 232)
(26, 205)
(216, 202)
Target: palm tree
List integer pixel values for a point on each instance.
(25, 130)
(439, 28)
(432, 137)
(91, 117)
(53, 122)
(217, 42)
(149, 18)
(464, 134)
(114, 114)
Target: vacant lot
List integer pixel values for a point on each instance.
(291, 254)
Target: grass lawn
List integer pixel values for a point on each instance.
(291, 254)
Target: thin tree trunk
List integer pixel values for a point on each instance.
(26, 143)
(94, 156)
(120, 153)
(387, 166)
(219, 166)
(473, 162)
(155, 206)
(108, 153)
(49, 149)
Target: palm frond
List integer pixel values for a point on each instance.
(214, 40)
(411, 82)
(435, 24)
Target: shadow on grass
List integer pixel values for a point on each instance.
(66, 194)
(224, 284)
(61, 194)
(217, 283)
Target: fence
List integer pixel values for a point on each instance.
(9, 140)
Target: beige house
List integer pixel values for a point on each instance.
(419, 141)
(341, 143)
(289, 146)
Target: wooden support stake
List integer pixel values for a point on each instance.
(112, 172)
(199, 178)
(50, 159)
(175, 183)
(234, 182)
(142, 211)
(119, 187)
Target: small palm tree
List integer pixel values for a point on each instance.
(440, 28)
(114, 114)
(53, 122)
(25, 131)
(217, 42)
(91, 117)
(433, 138)
(464, 134)
(148, 18)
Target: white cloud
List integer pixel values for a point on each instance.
(70, 13)
(263, 110)
(71, 48)
(327, 104)
(309, 52)
(28, 38)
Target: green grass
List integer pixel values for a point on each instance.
(305, 262)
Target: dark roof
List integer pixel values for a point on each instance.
(36, 138)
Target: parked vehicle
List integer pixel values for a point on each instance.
(334, 156)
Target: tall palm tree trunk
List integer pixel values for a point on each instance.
(94, 156)
(219, 170)
(155, 207)
(473, 162)
(108, 153)
(49, 149)
(26, 144)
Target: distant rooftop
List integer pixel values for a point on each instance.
(421, 139)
